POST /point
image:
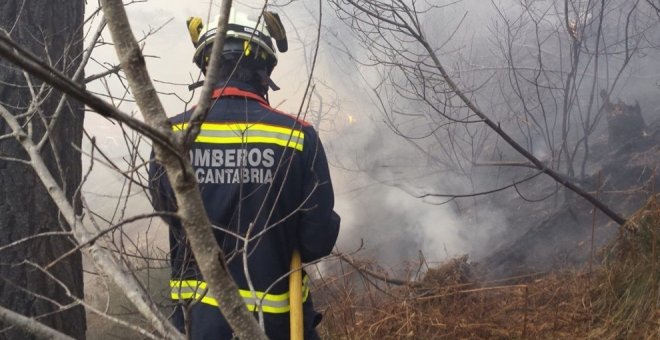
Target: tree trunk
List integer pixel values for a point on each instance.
(52, 30)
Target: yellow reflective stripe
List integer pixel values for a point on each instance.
(249, 140)
(270, 303)
(179, 127)
(275, 297)
(201, 285)
(243, 133)
(241, 127)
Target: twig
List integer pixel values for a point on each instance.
(375, 275)
(526, 308)
(24, 59)
(37, 329)
(113, 70)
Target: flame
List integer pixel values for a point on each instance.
(351, 120)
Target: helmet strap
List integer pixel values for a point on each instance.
(271, 84)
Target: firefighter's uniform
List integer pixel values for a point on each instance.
(263, 175)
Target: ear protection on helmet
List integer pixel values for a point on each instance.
(276, 30)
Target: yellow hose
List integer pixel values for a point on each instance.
(295, 297)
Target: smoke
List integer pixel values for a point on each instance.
(380, 177)
(391, 224)
(380, 180)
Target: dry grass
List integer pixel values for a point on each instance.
(618, 300)
(629, 293)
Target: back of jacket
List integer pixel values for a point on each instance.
(264, 179)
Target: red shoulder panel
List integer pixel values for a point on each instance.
(233, 91)
(300, 121)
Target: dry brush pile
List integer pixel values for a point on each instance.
(618, 299)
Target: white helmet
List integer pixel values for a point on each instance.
(246, 39)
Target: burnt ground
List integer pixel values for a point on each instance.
(553, 235)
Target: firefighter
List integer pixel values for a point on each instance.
(264, 178)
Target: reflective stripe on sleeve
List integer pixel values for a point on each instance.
(270, 303)
(242, 133)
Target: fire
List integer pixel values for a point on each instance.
(351, 120)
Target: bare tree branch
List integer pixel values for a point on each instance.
(401, 18)
(112, 70)
(655, 7)
(14, 53)
(39, 330)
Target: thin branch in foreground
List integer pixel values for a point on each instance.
(31, 326)
(25, 60)
(375, 275)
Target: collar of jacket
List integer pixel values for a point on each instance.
(236, 89)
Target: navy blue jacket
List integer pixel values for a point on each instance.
(260, 171)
